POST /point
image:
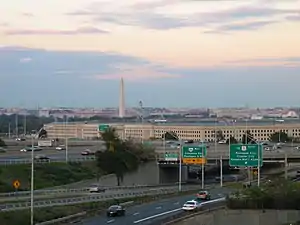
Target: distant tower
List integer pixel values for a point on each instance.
(121, 100)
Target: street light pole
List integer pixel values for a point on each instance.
(180, 166)
(66, 139)
(32, 181)
(202, 166)
(221, 171)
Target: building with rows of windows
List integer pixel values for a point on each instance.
(156, 131)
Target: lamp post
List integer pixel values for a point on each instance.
(32, 182)
(66, 138)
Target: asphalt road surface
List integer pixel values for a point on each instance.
(147, 213)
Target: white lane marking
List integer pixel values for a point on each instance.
(156, 215)
(110, 221)
(137, 213)
(176, 203)
(158, 207)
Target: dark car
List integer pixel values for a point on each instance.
(115, 210)
(203, 195)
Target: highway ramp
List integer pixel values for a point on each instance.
(148, 213)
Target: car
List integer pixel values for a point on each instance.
(203, 195)
(222, 142)
(267, 149)
(20, 139)
(29, 149)
(41, 158)
(60, 148)
(115, 210)
(191, 205)
(96, 189)
(87, 152)
(3, 150)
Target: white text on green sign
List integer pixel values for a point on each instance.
(194, 151)
(245, 155)
(171, 156)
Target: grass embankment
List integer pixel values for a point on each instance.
(96, 208)
(46, 175)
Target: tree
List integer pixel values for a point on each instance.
(279, 137)
(248, 138)
(219, 135)
(231, 140)
(120, 156)
(170, 135)
(43, 133)
(2, 143)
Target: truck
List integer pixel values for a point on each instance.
(45, 143)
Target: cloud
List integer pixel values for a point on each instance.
(136, 73)
(79, 31)
(293, 18)
(96, 65)
(244, 26)
(25, 60)
(4, 24)
(144, 14)
(284, 62)
(27, 14)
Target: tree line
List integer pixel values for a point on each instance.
(277, 194)
(247, 137)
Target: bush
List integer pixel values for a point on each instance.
(2, 143)
(280, 194)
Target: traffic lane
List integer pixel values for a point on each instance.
(11, 150)
(27, 155)
(148, 213)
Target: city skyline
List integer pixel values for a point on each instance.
(171, 53)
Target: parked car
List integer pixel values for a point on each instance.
(115, 210)
(87, 152)
(96, 189)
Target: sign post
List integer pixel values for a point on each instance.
(16, 184)
(247, 155)
(171, 156)
(195, 155)
(103, 127)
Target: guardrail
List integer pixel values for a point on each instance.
(81, 190)
(205, 207)
(28, 161)
(75, 217)
(84, 199)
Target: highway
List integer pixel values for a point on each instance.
(147, 213)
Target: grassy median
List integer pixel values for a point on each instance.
(46, 174)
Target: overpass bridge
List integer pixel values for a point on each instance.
(168, 169)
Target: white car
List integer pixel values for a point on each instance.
(222, 142)
(60, 148)
(267, 149)
(191, 205)
(96, 189)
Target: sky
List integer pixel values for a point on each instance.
(170, 53)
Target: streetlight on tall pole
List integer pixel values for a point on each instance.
(66, 137)
(32, 182)
(25, 125)
(142, 118)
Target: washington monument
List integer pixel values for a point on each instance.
(121, 100)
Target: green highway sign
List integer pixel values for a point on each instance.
(171, 156)
(245, 155)
(103, 127)
(194, 151)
